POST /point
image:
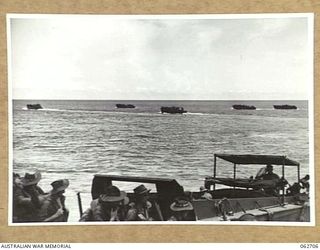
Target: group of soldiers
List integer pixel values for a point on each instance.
(267, 174)
(32, 204)
(114, 205)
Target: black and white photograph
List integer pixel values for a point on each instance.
(161, 119)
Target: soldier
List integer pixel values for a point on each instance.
(27, 197)
(305, 183)
(53, 208)
(140, 209)
(108, 207)
(267, 173)
(182, 210)
(273, 180)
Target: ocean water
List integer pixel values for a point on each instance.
(77, 139)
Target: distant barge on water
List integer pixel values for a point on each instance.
(173, 110)
(34, 106)
(285, 106)
(240, 106)
(125, 106)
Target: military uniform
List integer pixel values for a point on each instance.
(26, 204)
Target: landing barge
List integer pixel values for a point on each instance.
(125, 106)
(285, 107)
(173, 110)
(233, 199)
(34, 106)
(240, 107)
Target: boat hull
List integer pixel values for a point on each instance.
(125, 106)
(243, 107)
(34, 106)
(251, 209)
(284, 107)
(289, 212)
(173, 110)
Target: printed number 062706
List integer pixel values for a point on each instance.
(306, 246)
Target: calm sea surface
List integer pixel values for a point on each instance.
(77, 139)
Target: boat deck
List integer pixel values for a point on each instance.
(287, 212)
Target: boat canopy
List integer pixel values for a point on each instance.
(258, 159)
(163, 185)
(154, 180)
(248, 159)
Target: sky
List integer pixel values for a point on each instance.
(167, 58)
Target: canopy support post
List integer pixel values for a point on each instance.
(214, 171)
(234, 173)
(283, 188)
(298, 168)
